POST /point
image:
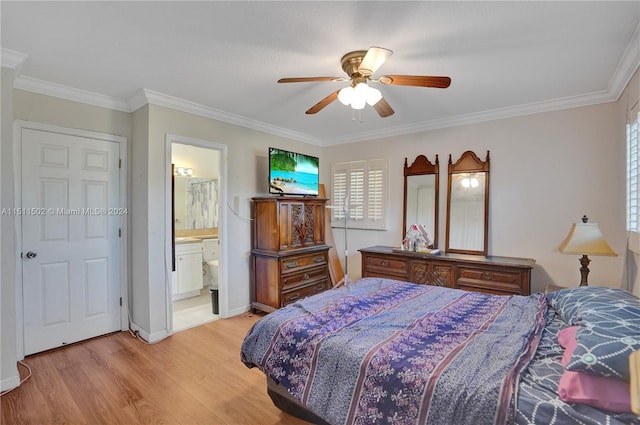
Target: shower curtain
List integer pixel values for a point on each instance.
(202, 203)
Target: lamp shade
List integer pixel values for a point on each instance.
(586, 239)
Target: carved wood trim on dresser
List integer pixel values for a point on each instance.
(490, 274)
(289, 256)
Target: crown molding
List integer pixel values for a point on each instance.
(69, 93)
(478, 117)
(627, 66)
(12, 59)
(144, 96)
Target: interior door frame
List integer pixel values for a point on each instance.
(20, 125)
(223, 293)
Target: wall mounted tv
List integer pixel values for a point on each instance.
(292, 173)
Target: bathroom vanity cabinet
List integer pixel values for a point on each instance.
(188, 277)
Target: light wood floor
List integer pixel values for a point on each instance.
(193, 377)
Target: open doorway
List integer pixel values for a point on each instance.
(195, 233)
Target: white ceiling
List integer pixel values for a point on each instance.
(222, 59)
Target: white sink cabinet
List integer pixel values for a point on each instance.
(187, 279)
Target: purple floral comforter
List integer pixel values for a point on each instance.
(382, 351)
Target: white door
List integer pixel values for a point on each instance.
(70, 238)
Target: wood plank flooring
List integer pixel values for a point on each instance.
(193, 377)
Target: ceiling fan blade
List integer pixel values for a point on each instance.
(374, 58)
(324, 102)
(416, 80)
(309, 79)
(383, 108)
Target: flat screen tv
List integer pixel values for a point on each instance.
(292, 173)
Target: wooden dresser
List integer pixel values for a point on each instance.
(289, 255)
(494, 275)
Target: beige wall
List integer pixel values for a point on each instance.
(8, 356)
(35, 107)
(139, 261)
(547, 170)
(246, 177)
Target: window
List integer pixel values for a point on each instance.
(364, 183)
(632, 176)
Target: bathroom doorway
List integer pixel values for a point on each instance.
(195, 260)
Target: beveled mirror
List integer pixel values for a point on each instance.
(421, 184)
(468, 205)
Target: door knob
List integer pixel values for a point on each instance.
(31, 254)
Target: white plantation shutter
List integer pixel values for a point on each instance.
(357, 192)
(365, 182)
(339, 191)
(632, 176)
(376, 191)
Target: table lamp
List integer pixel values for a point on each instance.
(585, 239)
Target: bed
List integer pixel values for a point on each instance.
(384, 351)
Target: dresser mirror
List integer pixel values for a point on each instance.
(468, 205)
(421, 184)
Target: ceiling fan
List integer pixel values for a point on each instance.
(360, 66)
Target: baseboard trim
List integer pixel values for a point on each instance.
(10, 383)
(236, 311)
(151, 338)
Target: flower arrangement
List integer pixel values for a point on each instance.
(416, 239)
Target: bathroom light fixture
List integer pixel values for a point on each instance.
(182, 171)
(470, 181)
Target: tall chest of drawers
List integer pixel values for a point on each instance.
(289, 256)
(490, 274)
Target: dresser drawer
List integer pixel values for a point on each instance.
(300, 292)
(491, 281)
(387, 267)
(431, 273)
(294, 264)
(303, 278)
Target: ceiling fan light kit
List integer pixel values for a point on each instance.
(359, 95)
(360, 66)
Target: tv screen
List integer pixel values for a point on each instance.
(292, 173)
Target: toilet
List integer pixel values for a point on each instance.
(210, 262)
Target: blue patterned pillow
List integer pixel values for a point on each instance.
(609, 320)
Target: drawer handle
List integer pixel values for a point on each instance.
(318, 259)
(318, 288)
(487, 276)
(306, 276)
(291, 264)
(293, 296)
(384, 263)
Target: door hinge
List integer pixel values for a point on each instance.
(119, 233)
(119, 163)
(120, 301)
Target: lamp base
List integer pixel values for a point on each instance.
(584, 270)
